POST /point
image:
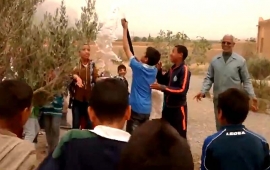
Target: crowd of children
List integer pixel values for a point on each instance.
(147, 144)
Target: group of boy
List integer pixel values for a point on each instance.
(147, 145)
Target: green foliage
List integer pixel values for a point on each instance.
(199, 50)
(150, 38)
(165, 41)
(42, 54)
(259, 67)
(144, 39)
(136, 39)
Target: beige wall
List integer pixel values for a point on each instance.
(263, 38)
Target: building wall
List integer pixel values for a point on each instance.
(263, 38)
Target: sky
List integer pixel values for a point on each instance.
(208, 18)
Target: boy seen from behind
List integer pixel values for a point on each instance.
(15, 109)
(234, 147)
(143, 75)
(175, 85)
(99, 148)
(156, 145)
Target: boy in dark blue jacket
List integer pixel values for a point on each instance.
(234, 147)
(175, 85)
(97, 149)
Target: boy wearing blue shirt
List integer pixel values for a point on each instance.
(234, 147)
(143, 75)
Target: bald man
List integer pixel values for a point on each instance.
(227, 70)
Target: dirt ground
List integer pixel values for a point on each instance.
(200, 121)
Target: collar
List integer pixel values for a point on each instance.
(221, 55)
(7, 133)
(148, 66)
(111, 133)
(174, 66)
(233, 127)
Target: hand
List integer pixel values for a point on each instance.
(79, 82)
(157, 86)
(199, 96)
(159, 65)
(124, 23)
(254, 105)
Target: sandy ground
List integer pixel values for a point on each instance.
(200, 121)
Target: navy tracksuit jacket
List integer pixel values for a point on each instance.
(174, 111)
(235, 148)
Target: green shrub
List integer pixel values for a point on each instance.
(259, 67)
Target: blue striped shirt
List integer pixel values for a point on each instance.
(54, 108)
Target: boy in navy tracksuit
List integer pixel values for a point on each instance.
(175, 85)
(234, 147)
(100, 148)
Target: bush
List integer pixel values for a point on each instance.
(42, 53)
(259, 67)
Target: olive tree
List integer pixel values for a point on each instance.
(199, 50)
(42, 54)
(165, 41)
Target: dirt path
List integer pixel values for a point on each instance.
(200, 121)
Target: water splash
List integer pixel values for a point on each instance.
(106, 36)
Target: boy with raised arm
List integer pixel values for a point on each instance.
(143, 75)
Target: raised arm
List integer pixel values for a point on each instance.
(246, 80)
(125, 39)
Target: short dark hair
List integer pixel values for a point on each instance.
(156, 145)
(234, 104)
(153, 56)
(120, 67)
(15, 96)
(109, 99)
(182, 49)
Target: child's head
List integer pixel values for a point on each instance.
(15, 104)
(85, 52)
(109, 103)
(233, 106)
(156, 145)
(152, 56)
(122, 70)
(179, 53)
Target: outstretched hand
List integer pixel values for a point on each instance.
(159, 65)
(199, 96)
(254, 105)
(157, 86)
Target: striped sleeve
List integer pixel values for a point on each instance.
(183, 83)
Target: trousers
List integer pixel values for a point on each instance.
(177, 117)
(52, 130)
(136, 119)
(79, 112)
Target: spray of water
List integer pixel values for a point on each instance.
(106, 36)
